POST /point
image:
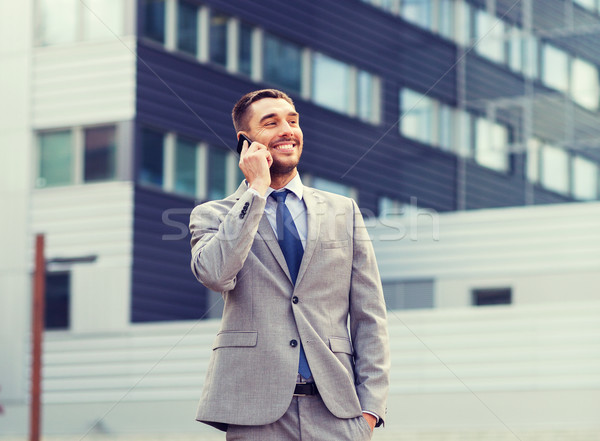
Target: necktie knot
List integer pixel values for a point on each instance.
(280, 196)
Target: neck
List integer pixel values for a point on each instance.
(280, 181)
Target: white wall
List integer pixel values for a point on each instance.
(84, 83)
(91, 220)
(544, 253)
(15, 240)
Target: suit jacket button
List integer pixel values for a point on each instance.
(242, 215)
(247, 204)
(295, 300)
(293, 343)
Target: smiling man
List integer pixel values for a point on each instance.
(302, 353)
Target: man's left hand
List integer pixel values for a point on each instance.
(370, 419)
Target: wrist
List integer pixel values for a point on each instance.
(260, 187)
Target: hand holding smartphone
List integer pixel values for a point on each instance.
(241, 140)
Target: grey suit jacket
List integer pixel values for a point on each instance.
(252, 371)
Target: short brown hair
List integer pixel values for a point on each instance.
(240, 110)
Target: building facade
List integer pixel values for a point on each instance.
(119, 124)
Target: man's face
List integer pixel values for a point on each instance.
(275, 123)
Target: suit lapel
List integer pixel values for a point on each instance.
(265, 231)
(313, 219)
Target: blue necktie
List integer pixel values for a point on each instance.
(291, 246)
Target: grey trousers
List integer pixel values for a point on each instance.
(307, 419)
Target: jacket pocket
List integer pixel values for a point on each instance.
(231, 339)
(340, 344)
(334, 244)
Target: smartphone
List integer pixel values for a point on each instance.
(241, 142)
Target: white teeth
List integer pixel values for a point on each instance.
(285, 147)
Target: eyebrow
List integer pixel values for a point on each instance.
(271, 115)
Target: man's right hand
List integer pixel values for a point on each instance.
(255, 162)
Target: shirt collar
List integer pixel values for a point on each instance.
(295, 186)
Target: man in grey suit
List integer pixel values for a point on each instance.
(302, 353)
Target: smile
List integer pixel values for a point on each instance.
(284, 147)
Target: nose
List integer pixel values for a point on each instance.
(286, 129)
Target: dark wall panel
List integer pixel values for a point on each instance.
(163, 286)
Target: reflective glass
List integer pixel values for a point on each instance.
(282, 64)
(217, 173)
(56, 159)
(58, 21)
(151, 171)
(187, 28)
(445, 18)
(515, 49)
(489, 36)
(490, 145)
(555, 169)
(464, 137)
(332, 186)
(102, 18)
(154, 20)
(330, 83)
(585, 89)
(416, 119)
(555, 70)
(533, 160)
(445, 128)
(245, 45)
(100, 152)
(417, 12)
(366, 92)
(218, 38)
(585, 179)
(587, 4)
(185, 167)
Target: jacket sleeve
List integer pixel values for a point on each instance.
(368, 323)
(222, 238)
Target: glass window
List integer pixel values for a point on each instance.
(533, 160)
(490, 145)
(282, 63)
(587, 4)
(445, 18)
(332, 186)
(462, 33)
(489, 35)
(464, 135)
(100, 150)
(55, 159)
(416, 119)
(585, 179)
(218, 38)
(555, 169)
(187, 28)
(366, 99)
(58, 299)
(555, 70)
(585, 89)
(245, 48)
(531, 57)
(154, 20)
(58, 21)
(151, 171)
(217, 173)
(102, 18)
(515, 49)
(445, 127)
(185, 167)
(330, 83)
(417, 12)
